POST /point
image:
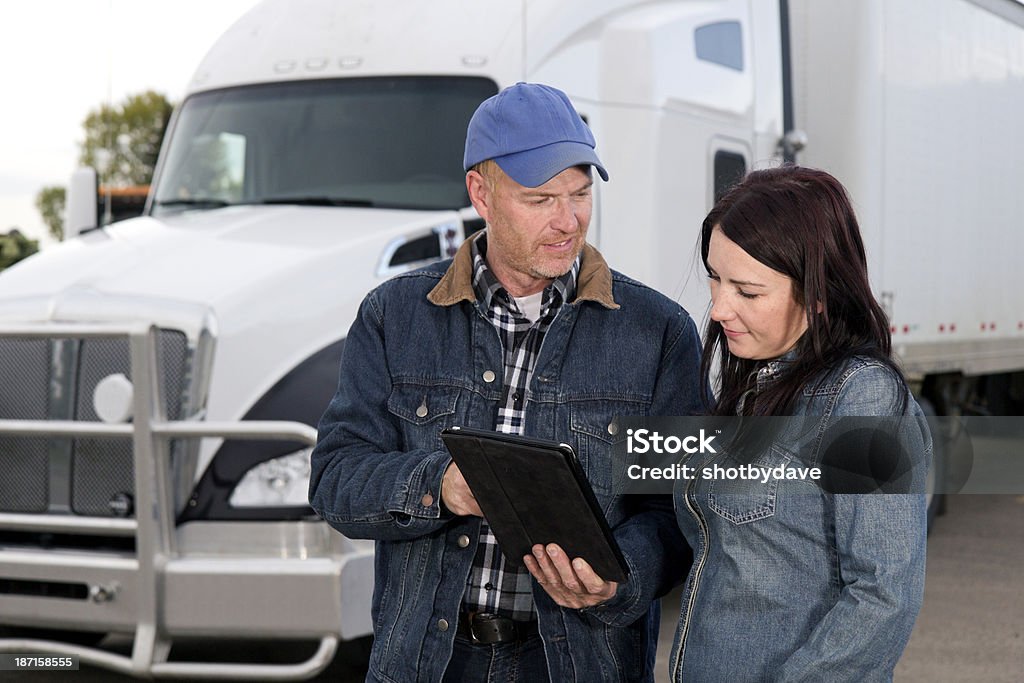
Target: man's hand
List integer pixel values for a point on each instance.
(455, 493)
(570, 584)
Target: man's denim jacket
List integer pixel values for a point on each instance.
(421, 357)
(793, 583)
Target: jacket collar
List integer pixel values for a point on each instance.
(772, 370)
(594, 282)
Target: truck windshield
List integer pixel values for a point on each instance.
(375, 142)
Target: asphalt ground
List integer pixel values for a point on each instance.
(971, 627)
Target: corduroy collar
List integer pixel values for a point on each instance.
(594, 283)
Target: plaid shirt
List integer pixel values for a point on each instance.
(493, 587)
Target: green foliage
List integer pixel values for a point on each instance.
(50, 201)
(122, 142)
(14, 247)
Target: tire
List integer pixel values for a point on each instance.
(938, 469)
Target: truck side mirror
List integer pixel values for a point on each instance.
(82, 213)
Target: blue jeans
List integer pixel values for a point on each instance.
(521, 662)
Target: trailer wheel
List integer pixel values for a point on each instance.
(937, 472)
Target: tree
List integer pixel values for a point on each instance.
(121, 143)
(50, 202)
(14, 247)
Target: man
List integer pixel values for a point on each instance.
(525, 331)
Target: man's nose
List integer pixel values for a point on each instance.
(565, 218)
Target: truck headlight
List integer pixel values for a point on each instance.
(283, 481)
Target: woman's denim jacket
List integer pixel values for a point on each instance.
(421, 357)
(790, 583)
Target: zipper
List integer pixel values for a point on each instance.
(705, 533)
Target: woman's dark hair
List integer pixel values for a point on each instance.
(800, 222)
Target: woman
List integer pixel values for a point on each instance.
(793, 580)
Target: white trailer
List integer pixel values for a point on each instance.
(917, 108)
(159, 378)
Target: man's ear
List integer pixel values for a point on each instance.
(479, 194)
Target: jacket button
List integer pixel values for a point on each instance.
(463, 541)
(488, 376)
(427, 500)
(613, 428)
(422, 411)
(442, 624)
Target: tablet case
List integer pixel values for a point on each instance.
(533, 491)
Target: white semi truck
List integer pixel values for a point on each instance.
(159, 377)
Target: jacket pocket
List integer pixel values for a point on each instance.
(742, 501)
(600, 442)
(423, 411)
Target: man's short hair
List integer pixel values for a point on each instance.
(490, 172)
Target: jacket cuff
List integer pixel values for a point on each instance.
(619, 610)
(420, 498)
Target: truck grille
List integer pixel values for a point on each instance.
(55, 379)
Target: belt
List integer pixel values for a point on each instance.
(487, 629)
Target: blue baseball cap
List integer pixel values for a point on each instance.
(532, 132)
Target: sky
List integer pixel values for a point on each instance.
(59, 59)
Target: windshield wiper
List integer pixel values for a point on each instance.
(315, 201)
(207, 202)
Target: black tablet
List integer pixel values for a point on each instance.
(533, 491)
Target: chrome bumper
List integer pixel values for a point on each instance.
(238, 580)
